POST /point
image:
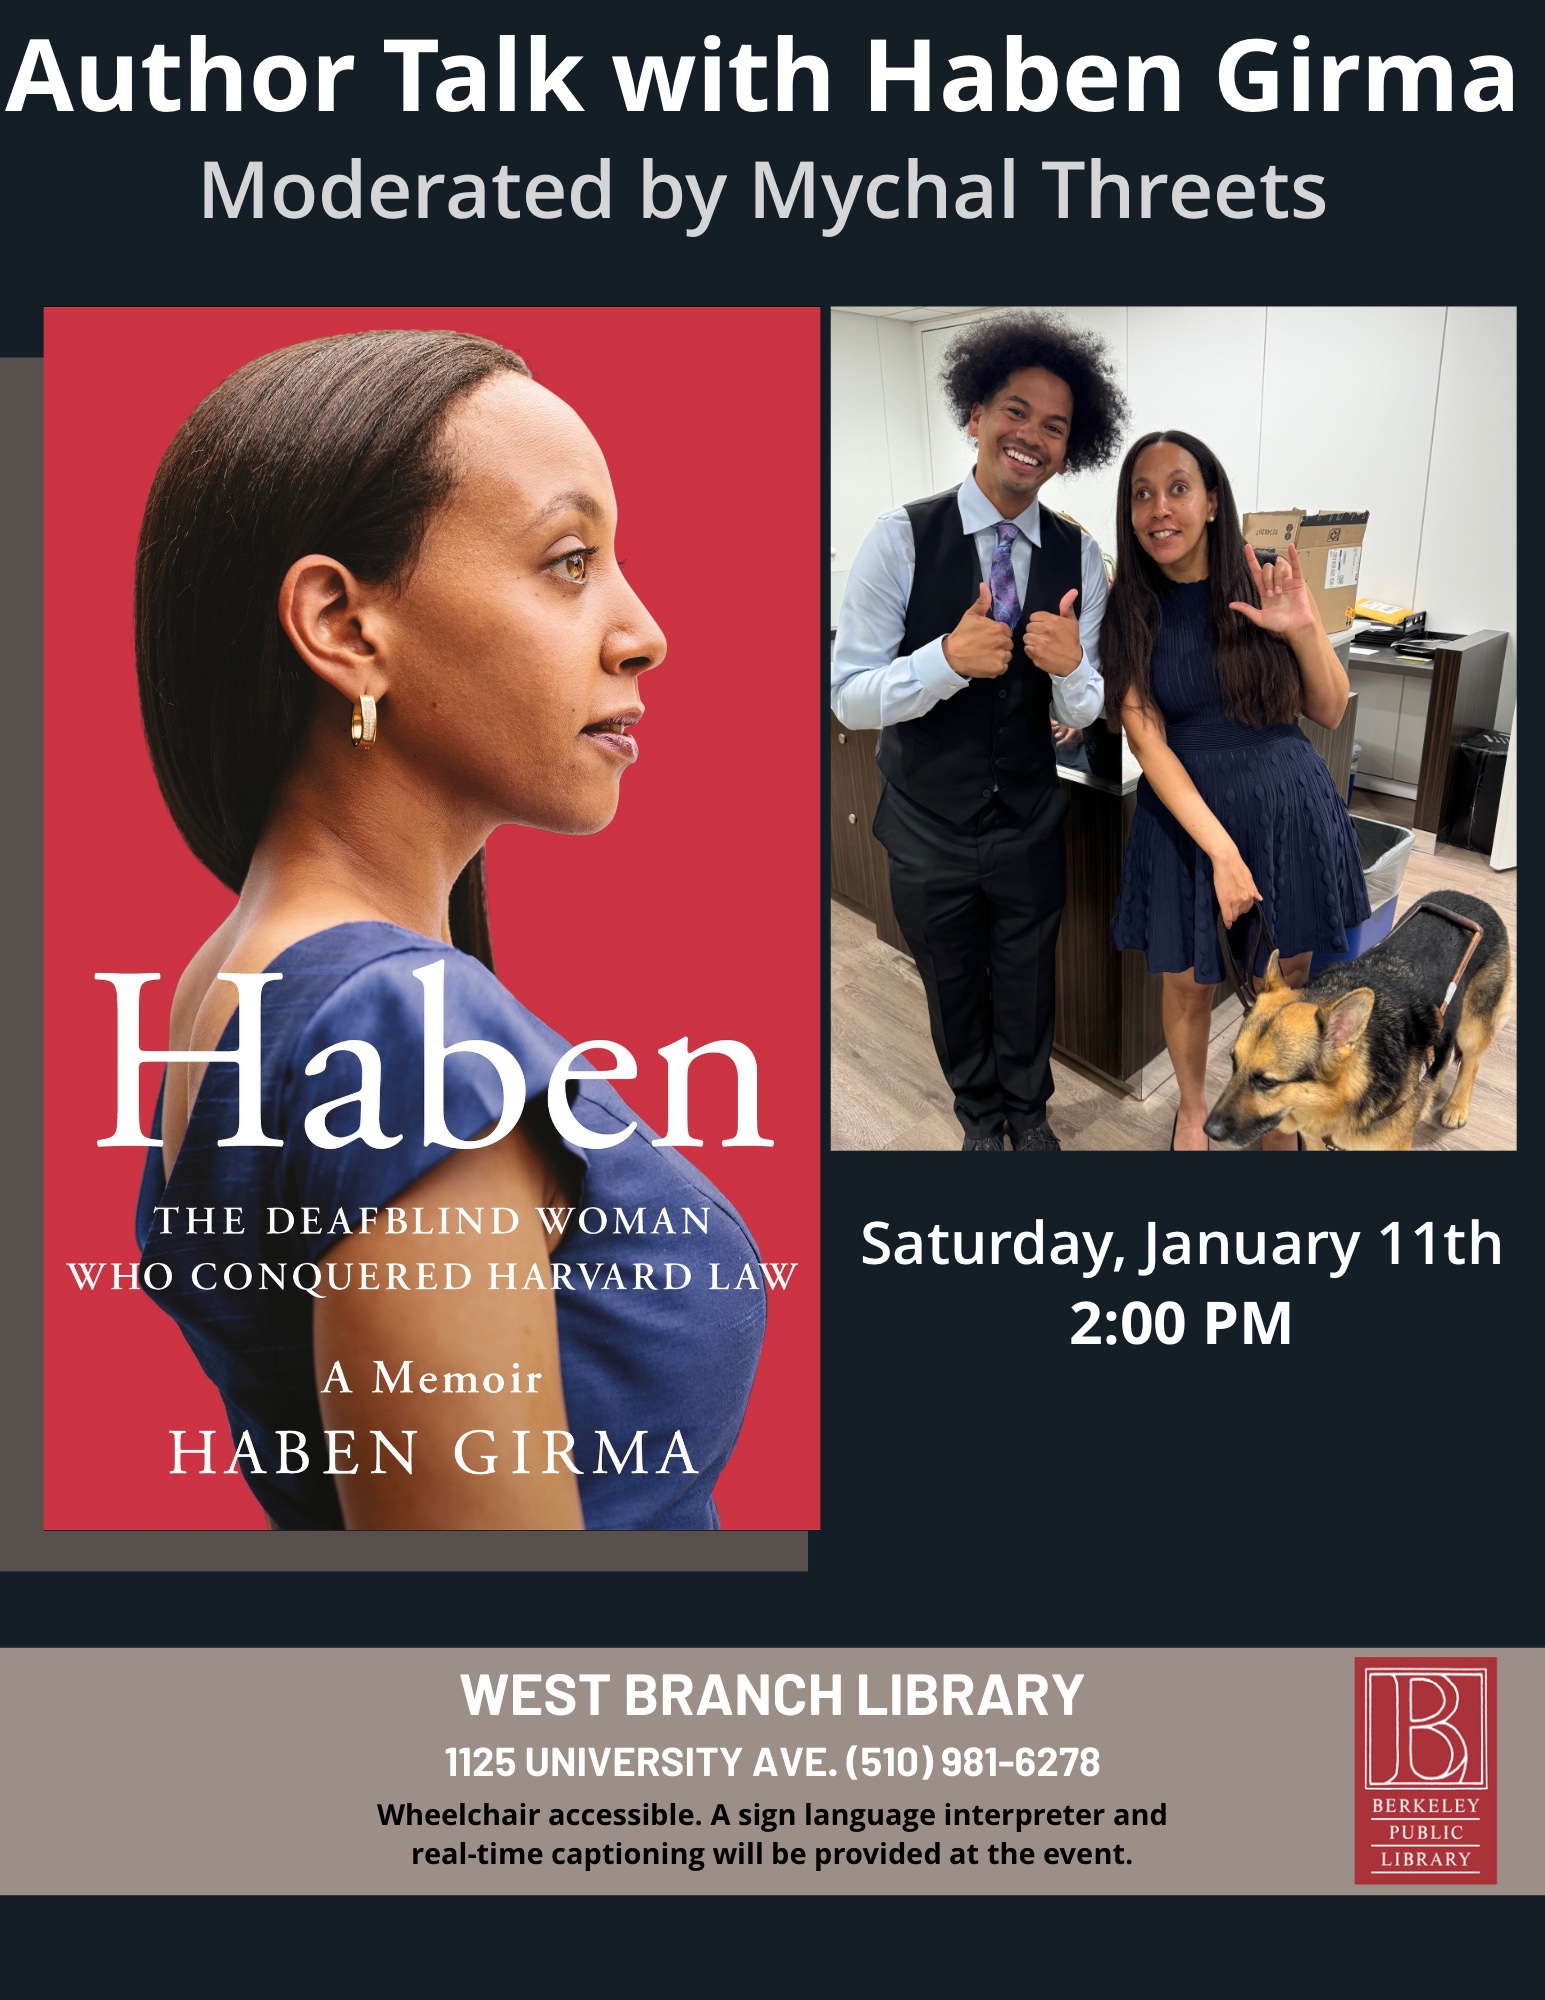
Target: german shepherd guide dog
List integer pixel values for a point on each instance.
(1351, 1060)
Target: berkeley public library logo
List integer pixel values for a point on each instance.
(1426, 1784)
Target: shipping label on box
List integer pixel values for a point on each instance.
(1341, 567)
(1330, 549)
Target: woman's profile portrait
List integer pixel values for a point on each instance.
(468, 1185)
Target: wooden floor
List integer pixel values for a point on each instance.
(888, 1094)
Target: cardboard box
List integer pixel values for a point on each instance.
(1329, 548)
(1270, 531)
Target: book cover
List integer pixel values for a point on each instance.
(690, 920)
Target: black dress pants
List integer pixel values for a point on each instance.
(980, 906)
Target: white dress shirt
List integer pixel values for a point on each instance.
(873, 686)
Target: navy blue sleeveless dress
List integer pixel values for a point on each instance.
(672, 1353)
(1272, 793)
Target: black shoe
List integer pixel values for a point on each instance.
(1039, 1139)
(982, 1145)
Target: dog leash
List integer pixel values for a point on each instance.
(1239, 977)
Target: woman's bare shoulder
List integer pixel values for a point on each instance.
(200, 985)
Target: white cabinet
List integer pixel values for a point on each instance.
(1391, 723)
(1378, 720)
(1412, 732)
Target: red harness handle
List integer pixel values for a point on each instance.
(1465, 924)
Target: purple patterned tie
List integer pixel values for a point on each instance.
(1005, 592)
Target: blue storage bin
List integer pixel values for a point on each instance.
(1384, 851)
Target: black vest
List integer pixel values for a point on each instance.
(993, 734)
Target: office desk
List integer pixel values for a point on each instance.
(1419, 712)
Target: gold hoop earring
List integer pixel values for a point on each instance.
(362, 724)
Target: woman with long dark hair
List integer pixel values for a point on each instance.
(1210, 659)
(379, 613)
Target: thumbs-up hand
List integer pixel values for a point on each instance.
(979, 647)
(1051, 638)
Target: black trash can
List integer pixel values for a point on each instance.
(1479, 764)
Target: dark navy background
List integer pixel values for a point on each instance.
(108, 208)
(1376, 1484)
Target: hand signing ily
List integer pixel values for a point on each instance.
(1286, 604)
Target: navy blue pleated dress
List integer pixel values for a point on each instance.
(1272, 793)
(656, 1282)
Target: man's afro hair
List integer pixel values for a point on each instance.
(983, 355)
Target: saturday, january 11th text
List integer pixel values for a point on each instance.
(1243, 1258)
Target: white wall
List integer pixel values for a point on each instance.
(879, 427)
(1409, 412)
(1348, 410)
(1467, 562)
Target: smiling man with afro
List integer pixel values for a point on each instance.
(982, 357)
(971, 623)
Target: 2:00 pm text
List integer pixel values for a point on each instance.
(1137, 1322)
